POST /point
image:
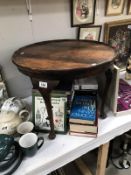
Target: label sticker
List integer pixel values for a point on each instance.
(42, 84)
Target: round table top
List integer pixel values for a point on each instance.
(63, 56)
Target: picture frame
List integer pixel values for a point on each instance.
(114, 7)
(118, 35)
(40, 117)
(82, 12)
(90, 33)
(129, 7)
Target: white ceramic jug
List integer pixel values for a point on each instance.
(13, 112)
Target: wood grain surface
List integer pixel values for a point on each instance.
(63, 55)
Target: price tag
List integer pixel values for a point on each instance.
(42, 84)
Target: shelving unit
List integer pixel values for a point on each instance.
(65, 148)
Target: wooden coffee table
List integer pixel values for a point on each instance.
(49, 63)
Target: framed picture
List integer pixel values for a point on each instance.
(40, 117)
(89, 33)
(114, 7)
(129, 7)
(118, 35)
(82, 12)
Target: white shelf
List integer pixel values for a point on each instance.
(65, 148)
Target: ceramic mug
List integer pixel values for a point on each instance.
(29, 143)
(25, 127)
(24, 115)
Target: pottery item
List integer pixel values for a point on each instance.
(13, 113)
(12, 161)
(30, 143)
(25, 127)
(13, 104)
(9, 122)
(6, 142)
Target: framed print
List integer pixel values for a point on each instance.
(89, 33)
(82, 12)
(40, 117)
(129, 7)
(118, 35)
(114, 7)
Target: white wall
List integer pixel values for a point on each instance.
(51, 20)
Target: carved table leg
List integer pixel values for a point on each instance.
(108, 75)
(46, 96)
(45, 92)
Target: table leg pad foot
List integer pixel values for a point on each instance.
(103, 116)
(51, 136)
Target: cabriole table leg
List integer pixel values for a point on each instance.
(46, 94)
(108, 75)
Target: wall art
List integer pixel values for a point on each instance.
(114, 7)
(89, 33)
(82, 12)
(118, 35)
